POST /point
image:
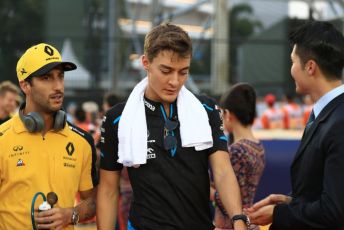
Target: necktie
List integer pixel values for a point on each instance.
(310, 121)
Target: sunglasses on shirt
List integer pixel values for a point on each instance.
(170, 141)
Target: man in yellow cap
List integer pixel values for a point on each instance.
(41, 153)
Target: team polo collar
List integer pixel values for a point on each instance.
(153, 107)
(19, 126)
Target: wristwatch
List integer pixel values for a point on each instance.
(75, 217)
(241, 217)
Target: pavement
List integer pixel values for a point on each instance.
(86, 227)
(94, 227)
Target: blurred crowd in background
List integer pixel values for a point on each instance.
(287, 112)
(272, 114)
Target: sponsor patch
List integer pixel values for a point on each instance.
(20, 163)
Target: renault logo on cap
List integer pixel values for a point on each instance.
(48, 50)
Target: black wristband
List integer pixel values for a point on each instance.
(241, 217)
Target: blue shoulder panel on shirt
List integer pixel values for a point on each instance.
(117, 119)
(224, 138)
(207, 107)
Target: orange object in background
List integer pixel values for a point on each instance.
(265, 227)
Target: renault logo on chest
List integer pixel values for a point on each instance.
(70, 148)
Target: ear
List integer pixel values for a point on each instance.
(145, 62)
(311, 66)
(226, 115)
(231, 116)
(25, 86)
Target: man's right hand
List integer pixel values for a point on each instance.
(261, 212)
(271, 199)
(56, 218)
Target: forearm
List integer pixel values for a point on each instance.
(228, 189)
(107, 203)
(87, 207)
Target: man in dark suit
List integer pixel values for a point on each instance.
(317, 171)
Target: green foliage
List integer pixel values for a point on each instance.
(242, 25)
(21, 27)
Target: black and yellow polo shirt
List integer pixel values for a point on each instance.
(62, 162)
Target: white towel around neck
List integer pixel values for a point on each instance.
(195, 130)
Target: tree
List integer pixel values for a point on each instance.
(242, 26)
(21, 27)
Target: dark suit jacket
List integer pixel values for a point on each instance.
(317, 176)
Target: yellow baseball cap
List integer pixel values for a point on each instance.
(39, 60)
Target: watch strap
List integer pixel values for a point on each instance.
(242, 217)
(75, 217)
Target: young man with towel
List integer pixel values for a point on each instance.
(166, 137)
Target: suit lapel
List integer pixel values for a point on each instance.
(306, 137)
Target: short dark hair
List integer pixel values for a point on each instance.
(240, 100)
(111, 99)
(29, 80)
(80, 114)
(170, 37)
(321, 42)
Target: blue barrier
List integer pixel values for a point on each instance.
(279, 154)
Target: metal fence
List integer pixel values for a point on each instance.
(105, 38)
